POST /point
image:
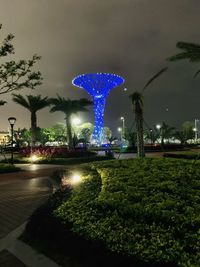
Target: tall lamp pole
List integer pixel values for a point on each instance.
(12, 121)
(158, 126)
(196, 128)
(123, 126)
(120, 131)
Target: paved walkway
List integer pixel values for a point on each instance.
(20, 194)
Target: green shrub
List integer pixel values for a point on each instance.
(147, 209)
(5, 168)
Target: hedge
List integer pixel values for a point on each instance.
(147, 209)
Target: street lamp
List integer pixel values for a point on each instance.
(76, 121)
(12, 121)
(158, 126)
(123, 126)
(195, 134)
(151, 136)
(120, 131)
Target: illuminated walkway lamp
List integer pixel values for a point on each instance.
(12, 121)
(98, 85)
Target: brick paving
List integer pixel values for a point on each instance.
(29, 171)
(9, 260)
(19, 199)
(20, 194)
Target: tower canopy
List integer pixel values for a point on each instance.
(98, 86)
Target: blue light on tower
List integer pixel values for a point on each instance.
(98, 85)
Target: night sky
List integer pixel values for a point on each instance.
(131, 38)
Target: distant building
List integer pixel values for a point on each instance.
(4, 137)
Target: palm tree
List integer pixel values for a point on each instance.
(137, 102)
(137, 99)
(190, 51)
(33, 104)
(69, 107)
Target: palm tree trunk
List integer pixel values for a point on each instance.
(33, 127)
(140, 139)
(69, 132)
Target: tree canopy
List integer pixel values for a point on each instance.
(15, 75)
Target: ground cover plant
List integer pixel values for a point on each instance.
(145, 208)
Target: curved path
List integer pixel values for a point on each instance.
(20, 194)
(19, 199)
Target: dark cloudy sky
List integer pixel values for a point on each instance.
(131, 38)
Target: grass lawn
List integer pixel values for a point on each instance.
(5, 168)
(137, 212)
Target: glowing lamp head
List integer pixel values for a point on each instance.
(33, 158)
(76, 121)
(75, 178)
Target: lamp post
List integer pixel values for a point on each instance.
(196, 121)
(120, 131)
(123, 126)
(12, 121)
(195, 134)
(151, 136)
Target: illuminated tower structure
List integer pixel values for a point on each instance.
(98, 85)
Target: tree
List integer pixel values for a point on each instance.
(33, 104)
(166, 132)
(25, 136)
(85, 135)
(190, 51)
(107, 133)
(16, 75)
(69, 107)
(186, 133)
(131, 136)
(152, 134)
(84, 132)
(137, 100)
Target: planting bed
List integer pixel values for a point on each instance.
(141, 210)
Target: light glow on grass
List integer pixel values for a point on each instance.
(33, 158)
(74, 179)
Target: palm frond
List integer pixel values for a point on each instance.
(19, 99)
(68, 106)
(154, 77)
(187, 46)
(32, 103)
(191, 52)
